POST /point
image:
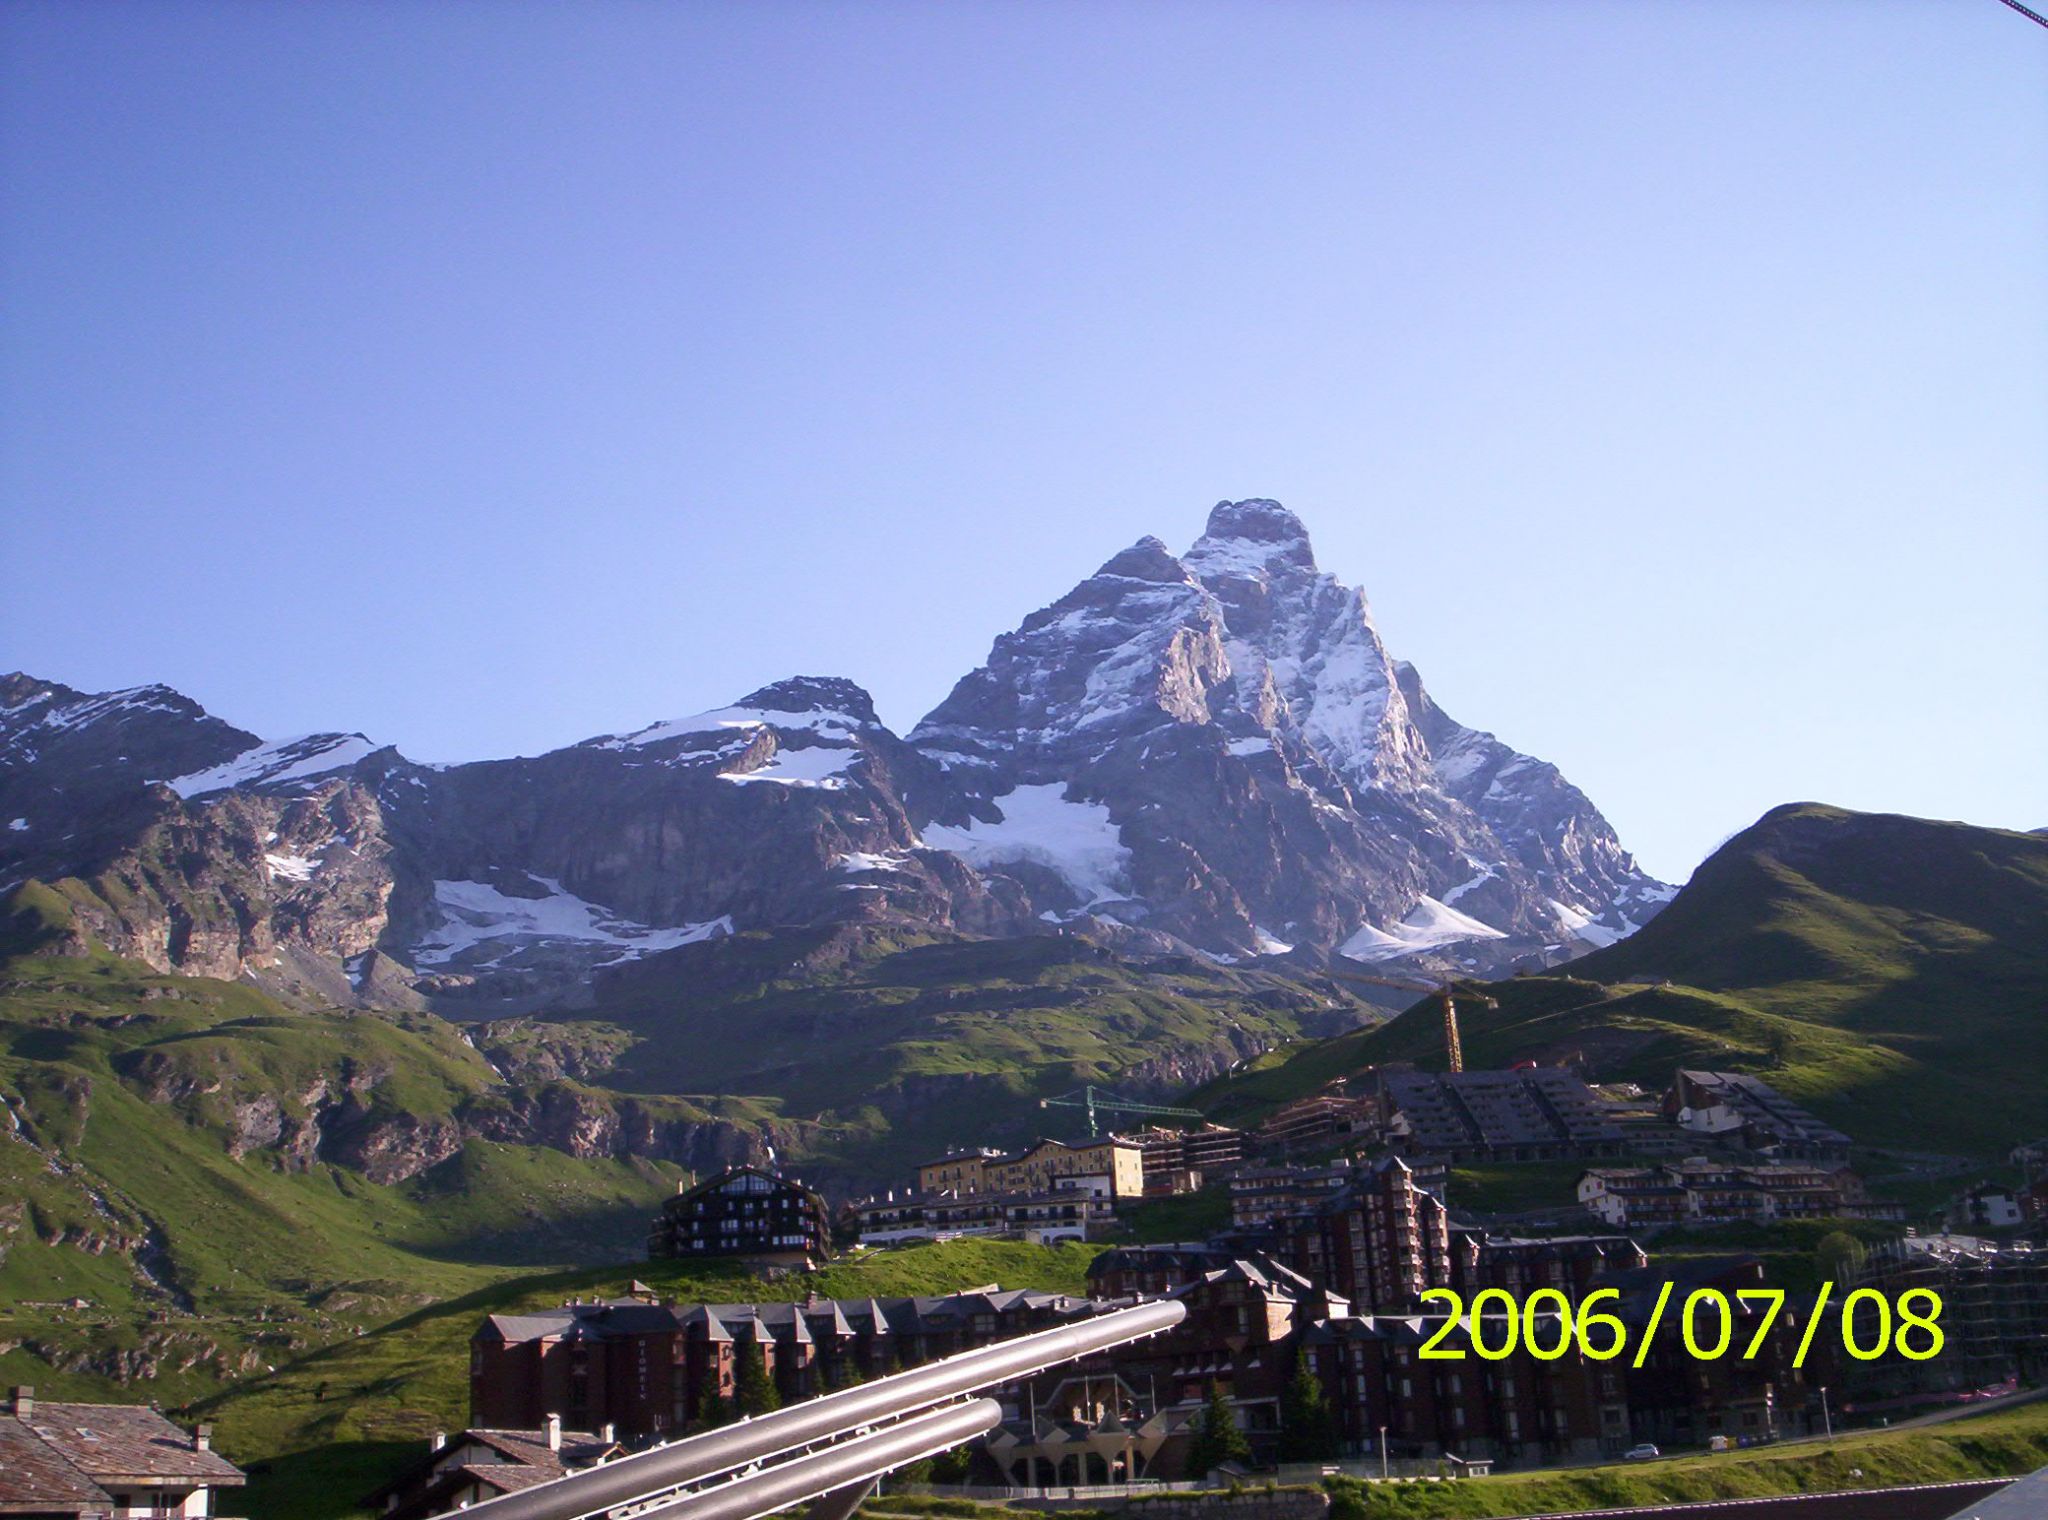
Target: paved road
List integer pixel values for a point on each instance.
(1938, 1417)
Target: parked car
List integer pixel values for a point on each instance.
(1643, 1453)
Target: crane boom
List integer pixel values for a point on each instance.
(1094, 1102)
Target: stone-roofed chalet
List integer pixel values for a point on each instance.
(1126, 1414)
(105, 1460)
(475, 1465)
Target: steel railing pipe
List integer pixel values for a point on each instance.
(858, 1460)
(829, 1417)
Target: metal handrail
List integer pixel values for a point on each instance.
(838, 1466)
(789, 1432)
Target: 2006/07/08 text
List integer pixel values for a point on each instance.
(1550, 1326)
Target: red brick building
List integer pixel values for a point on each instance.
(647, 1368)
(1677, 1399)
(1128, 1413)
(1520, 1410)
(1573, 1264)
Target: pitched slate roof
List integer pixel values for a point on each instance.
(35, 1478)
(1156, 1259)
(530, 1447)
(529, 1460)
(508, 1477)
(580, 1322)
(108, 1442)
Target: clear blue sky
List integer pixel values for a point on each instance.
(1674, 376)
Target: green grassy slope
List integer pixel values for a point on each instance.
(898, 1043)
(126, 1180)
(227, 1183)
(2005, 1444)
(1861, 919)
(1888, 972)
(331, 1425)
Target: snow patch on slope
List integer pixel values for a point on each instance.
(1582, 926)
(292, 867)
(862, 860)
(1074, 839)
(477, 916)
(1485, 875)
(818, 721)
(818, 766)
(278, 763)
(83, 710)
(1429, 925)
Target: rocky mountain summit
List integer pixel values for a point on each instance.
(1255, 771)
(1210, 755)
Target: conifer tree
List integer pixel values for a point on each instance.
(754, 1385)
(713, 1409)
(1308, 1426)
(1217, 1438)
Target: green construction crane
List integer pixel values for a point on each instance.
(1101, 1102)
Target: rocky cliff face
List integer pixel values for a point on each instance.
(1218, 748)
(1213, 752)
(348, 1115)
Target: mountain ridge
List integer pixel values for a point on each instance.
(1210, 753)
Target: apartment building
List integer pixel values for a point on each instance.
(746, 1212)
(1702, 1191)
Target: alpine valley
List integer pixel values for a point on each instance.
(295, 1033)
(298, 1037)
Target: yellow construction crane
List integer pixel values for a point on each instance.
(1454, 1051)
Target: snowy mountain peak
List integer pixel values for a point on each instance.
(56, 706)
(832, 696)
(1135, 645)
(1252, 537)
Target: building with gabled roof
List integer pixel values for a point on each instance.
(1038, 1168)
(1128, 1414)
(1697, 1190)
(1379, 1241)
(1388, 1398)
(474, 1465)
(106, 1460)
(961, 1171)
(746, 1212)
(649, 1368)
